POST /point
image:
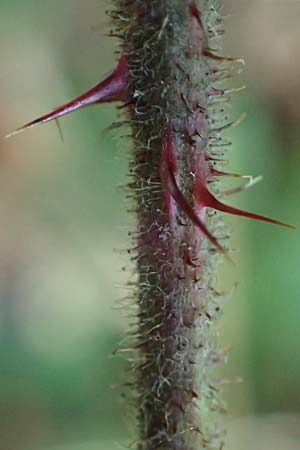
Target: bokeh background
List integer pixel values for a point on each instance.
(64, 224)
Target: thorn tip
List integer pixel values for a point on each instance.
(111, 89)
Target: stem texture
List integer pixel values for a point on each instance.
(171, 73)
(168, 79)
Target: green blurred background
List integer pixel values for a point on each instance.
(64, 224)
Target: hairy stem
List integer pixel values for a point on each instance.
(170, 76)
(167, 79)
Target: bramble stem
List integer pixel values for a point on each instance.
(171, 72)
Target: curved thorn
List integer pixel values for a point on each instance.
(188, 210)
(207, 199)
(169, 179)
(194, 12)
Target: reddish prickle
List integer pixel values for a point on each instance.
(167, 85)
(196, 14)
(168, 174)
(206, 199)
(112, 89)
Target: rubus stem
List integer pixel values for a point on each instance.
(170, 77)
(168, 80)
(177, 119)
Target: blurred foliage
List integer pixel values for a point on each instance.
(62, 217)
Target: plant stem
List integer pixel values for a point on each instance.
(170, 79)
(167, 79)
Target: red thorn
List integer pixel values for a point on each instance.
(206, 199)
(112, 89)
(168, 170)
(196, 14)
